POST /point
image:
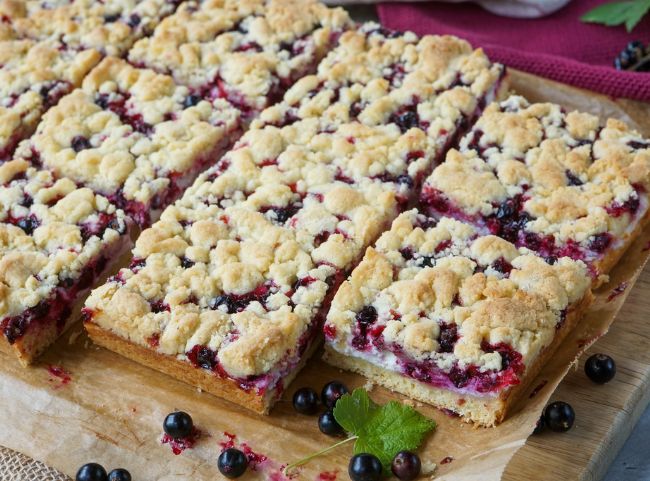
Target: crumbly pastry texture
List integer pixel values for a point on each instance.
(556, 183)
(110, 26)
(55, 240)
(226, 290)
(132, 135)
(33, 77)
(442, 306)
(246, 51)
(378, 76)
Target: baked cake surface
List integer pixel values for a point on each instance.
(377, 76)
(248, 51)
(33, 77)
(110, 26)
(556, 183)
(458, 320)
(132, 135)
(55, 240)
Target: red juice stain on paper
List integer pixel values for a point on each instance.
(180, 445)
(450, 413)
(327, 476)
(617, 291)
(647, 247)
(446, 460)
(537, 389)
(60, 375)
(256, 461)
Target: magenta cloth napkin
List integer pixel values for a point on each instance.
(559, 46)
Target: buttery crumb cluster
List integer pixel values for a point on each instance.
(440, 304)
(556, 183)
(247, 51)
(55, 239)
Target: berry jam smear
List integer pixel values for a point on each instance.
(179, 445)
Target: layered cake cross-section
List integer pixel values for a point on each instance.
(557, 183)
(56, 240)
(33, 77)
(461, 321)
(248, 52)
(132, 135)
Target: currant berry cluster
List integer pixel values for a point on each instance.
(635, 57)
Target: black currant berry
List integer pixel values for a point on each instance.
(178, 424)
(600, 368)
(406, 465)
(331, 393)
(364, 467)
(328, 424)
(305, 401)
(559, 416)
(232, 463)
(119, 475)
(91, 472)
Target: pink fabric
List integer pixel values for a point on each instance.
(559, 46)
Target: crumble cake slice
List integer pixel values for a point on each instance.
(376, 76)
(132, 135)
(248, 51)
(33, 77)
(556, 183)
(222, 299)
(56, 240)
(110, 26)
(451, 318)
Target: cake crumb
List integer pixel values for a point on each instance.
(409, 402)
(428, 468)
(369, 385)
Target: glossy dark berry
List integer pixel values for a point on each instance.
(178, 424)
(406, 465)
(222, 300)
(305, 401)
(600, 368)
(91, 472)
(559, 416)
(191, 101)
(540, 425)
(364, 467)
(80, 143)
(367, 315)
(232, 463)
(119, 475)
(328, 424)
(331, 393)
(28, 224)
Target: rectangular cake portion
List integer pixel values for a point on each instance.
(247, 52)
(132, 135)
(224, 299)
(33, 77)
(56, 240)
(375, 76)
(454, 319)
(557, 183)
(109, 26)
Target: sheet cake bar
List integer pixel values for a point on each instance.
(56, 240)
(248, 52)
(557, 183)
(134, 136)
(454, 319)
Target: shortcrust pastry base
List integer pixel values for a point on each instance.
(483, 411)
(205, 380)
